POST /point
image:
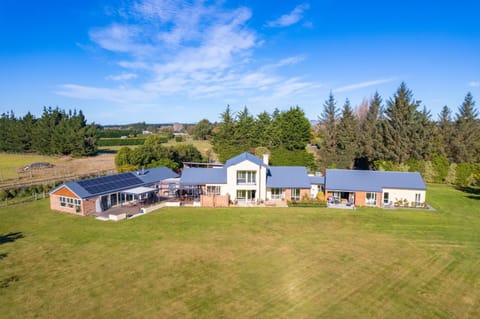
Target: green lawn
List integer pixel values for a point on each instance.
(244, 263)
(11, 163)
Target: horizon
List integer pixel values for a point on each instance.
(184, 61)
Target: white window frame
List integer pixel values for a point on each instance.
(418, 198)
(278, 193)
(372, 201)
(295, 194)
(71, 203)
(246, 177)
(213, 190)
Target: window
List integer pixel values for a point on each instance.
(213, 190)
(386, 200)
(277, 193)
(295, 195)
(245, 195)
(418, 198)
(371, 199)
(246, 177)
(71, 203)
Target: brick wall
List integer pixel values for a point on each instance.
(89, 206)
(215, 201)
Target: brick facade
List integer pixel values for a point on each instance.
(215, 201)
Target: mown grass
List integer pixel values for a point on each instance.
(245, 262)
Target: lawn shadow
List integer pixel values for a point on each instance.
(10, 237)
(474, 192)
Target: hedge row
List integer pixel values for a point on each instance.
(307, 204)
(121, 141)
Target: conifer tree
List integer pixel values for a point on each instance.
(347, 138)
(223, 138)
(399, 125)
(444, 134)
(467, 132)
(328, 128)
(370, 141)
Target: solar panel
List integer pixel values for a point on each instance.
(110, 183)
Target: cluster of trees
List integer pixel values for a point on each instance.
(56, 132)
(153, 154)
(401, 136)
(284, 134)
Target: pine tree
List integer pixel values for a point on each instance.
(294, 128)
(467, 132)
(223, 138)
(328, 128)
(399, 125)
(422, 136)
(370, 142)
(244, 130)
(347, 138)
(444, 134)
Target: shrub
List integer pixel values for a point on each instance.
(178, 139)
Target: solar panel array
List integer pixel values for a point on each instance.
(106, 184)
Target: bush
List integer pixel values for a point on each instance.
(178, 139)
(3, 195)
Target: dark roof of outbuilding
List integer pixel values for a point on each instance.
(98, 186)
(371, 181)
(288, 177)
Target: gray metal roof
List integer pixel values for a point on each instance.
(86, 188)
(242, 157)
(202, 176)
(371, 181)
(288, 177)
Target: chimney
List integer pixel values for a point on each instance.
(265, 158)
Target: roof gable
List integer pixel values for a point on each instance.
(64, 191)
(244, 157)
(371, 181)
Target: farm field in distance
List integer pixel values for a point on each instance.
(11, 166)
(245, 262)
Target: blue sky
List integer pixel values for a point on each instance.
(163, 61)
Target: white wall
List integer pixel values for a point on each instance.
(260, 183)
(400, 194)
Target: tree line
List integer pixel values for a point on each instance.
(283, 134)
(56, 132)
(397, 135)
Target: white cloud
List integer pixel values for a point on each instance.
(191, 50)
(362, 85)
(474, 84)
(290, 18)
(122, 77)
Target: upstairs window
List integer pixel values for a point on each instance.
(246, 177)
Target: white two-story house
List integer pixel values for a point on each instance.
(246, 180)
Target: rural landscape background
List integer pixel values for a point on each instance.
(94, 88)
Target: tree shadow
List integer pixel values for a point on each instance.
(3, 255)
(10, 237)
(470, 190)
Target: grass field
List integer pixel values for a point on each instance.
(245, 262)
(11, 164)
